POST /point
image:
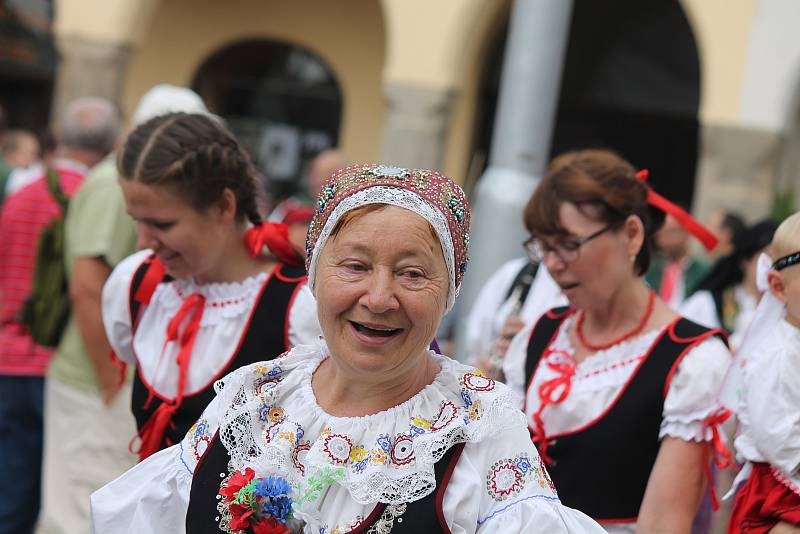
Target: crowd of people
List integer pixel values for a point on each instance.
(227, 367)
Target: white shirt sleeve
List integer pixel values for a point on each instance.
(304, 326)
(772, 401)
(701, 309)
(514, 361)
(692, 394)
(501, 486)
(481, 330)
(116, 308)
(153, 497)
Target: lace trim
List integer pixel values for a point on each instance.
(403, 199)
(785, 480)
(227, 300)
(391, 468)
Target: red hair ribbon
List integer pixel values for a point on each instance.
(276, 238)
(692, 225)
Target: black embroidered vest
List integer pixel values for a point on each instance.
(603, 468)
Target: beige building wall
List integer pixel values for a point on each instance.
(410, 72)
(348, 36)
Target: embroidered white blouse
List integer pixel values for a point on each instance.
(595, 383)
(268, 419)
(226, 316)
(769, 407)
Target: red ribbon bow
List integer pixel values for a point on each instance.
(720, 454)
(152, 432)
(692, 225)
(274, 236)
(552, 391)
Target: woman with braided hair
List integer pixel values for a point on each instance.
(213, 288)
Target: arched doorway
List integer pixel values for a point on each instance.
(631, 82)
(281, 100)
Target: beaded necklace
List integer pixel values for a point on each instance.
(636, 331)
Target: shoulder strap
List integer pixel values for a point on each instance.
(53, 185)
(523, 281)
(145, 280)
(541, 336)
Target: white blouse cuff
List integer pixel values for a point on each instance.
(537, 513)
(151, 498)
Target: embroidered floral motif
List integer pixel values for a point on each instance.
(338, 447)
(326, 195)
(384, 442)
(378, 456)
(199, 439)
(476, 382)
(542, 476)
(419, 426)
(475, 411)
(402, 450)
(264, 387)
(447, 414)
(302, 448)
(313, 486)
(507, 477)
(504, 480)
(358, 453)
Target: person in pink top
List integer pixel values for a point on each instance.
(87, 130)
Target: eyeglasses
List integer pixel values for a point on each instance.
(567, 250)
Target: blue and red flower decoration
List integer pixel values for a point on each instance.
(258, 505)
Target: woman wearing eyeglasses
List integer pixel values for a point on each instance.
(619, 391)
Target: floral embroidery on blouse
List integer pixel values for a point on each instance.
(199, 439)
(507, 477)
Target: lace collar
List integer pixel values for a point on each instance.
(270, 421)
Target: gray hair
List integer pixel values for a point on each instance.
(90, 123)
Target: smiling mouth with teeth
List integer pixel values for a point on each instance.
(375, 332)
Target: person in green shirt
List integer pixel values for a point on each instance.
(88, 422)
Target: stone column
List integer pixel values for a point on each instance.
(89, 68)
(416, 125)
(529, 88)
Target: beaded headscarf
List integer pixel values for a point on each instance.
(429, 194)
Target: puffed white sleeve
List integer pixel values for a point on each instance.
(500, 485)
(771, 399)
(304, 326)
(116, 308)
(514, 361)
(153, 496)
(692, 394)
(701, 309)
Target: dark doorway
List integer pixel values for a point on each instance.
(27, 62)
(281, 100)
(631, 83)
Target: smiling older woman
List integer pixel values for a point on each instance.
(368, 431)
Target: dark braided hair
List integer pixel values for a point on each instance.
(196, 157)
